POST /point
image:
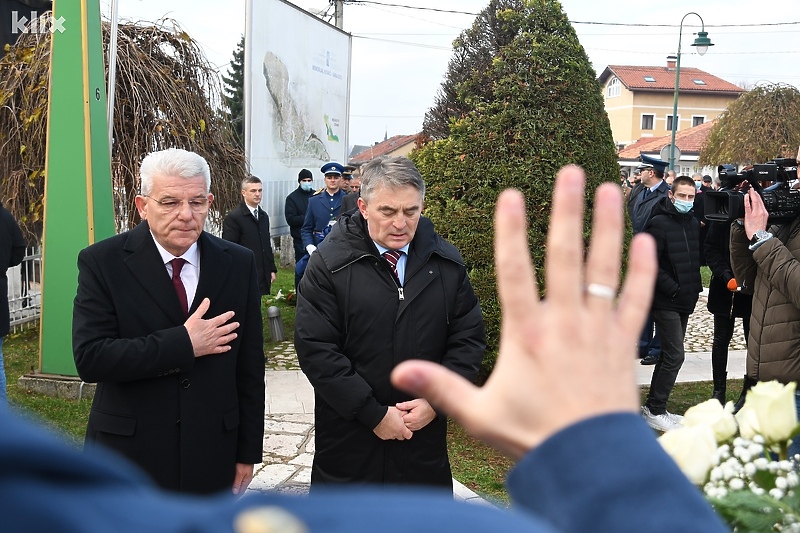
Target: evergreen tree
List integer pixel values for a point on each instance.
(534, 107)
(234, 92)
(756, 127)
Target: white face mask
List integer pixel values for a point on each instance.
(307, 185)
(697, 184)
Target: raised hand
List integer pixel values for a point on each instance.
(565, 358)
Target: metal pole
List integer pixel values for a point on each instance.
(112, 71)
(677, 88)
(338, 15)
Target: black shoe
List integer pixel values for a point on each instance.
(649, 360)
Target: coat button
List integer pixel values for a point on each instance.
(178, 422)
(185, 383)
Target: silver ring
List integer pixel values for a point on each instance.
(601, 291)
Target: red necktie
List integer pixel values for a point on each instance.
(392, 257)
(177, 283)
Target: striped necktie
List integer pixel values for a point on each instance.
(392, 257)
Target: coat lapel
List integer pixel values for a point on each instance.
(146, 266)
(215, 262)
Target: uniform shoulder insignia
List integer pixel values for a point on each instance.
(318, 191)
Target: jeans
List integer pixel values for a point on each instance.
(649, 342)
(723, 333)
(671, 327)
(2, 377)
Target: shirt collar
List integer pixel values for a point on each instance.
(192, 255)
(382, 250)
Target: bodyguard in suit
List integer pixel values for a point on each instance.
(248, 225)
(167, 322)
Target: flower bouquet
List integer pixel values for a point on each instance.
(741, 461)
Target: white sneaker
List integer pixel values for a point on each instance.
(663, 422)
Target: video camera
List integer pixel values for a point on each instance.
(770, 180)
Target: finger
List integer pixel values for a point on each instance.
(441, 387)
(227, 339)
(516, 280)
(201, 309)
(637, 292)
(222, 319)
(564, 260)
(603, 262)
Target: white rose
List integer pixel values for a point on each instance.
(693, 448)
(769, 411)
(712, 413)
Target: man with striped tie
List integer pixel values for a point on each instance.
(383, 288)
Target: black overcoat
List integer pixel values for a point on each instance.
(241, 227)
(722, 301)
(186, 421)
(12, 252)
(353, 328)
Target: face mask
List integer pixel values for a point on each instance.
(697, 185)
(683, 207)
(306, 185)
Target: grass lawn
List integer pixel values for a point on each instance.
(474, 464)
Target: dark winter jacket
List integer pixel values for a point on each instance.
(12, 251)
(678, 283)
(772, 274)
(354, 325)
(295, 210)
(721, 300)
(242, 228)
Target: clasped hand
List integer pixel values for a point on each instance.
(213, 335)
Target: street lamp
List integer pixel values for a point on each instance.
(702, 42)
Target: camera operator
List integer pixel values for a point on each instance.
(766, 263)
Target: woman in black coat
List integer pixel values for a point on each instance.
(726, 306)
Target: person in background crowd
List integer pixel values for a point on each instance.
(641, 201)
(12, 251)
(678, 287)
(248, 225)
(295, 212)
(764, 261)
(323, 208)
(727, 303)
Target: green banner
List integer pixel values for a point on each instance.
(78, 205)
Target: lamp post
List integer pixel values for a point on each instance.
(702, 42)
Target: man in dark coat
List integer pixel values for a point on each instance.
(12, 251)
(179, 363)
(678, 286)
(248, 225)
(295, 210)
(357, 319)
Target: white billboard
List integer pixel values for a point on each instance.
(296, 98)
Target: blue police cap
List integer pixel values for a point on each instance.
(332, 168)
(648, 162)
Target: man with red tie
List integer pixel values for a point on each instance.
(383, 288)
(167, 322)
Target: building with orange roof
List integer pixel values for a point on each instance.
(393, 146)
(689, 142)
(639, 99)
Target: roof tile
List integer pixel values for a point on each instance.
(633, 77)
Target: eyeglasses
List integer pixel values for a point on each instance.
(197, 205)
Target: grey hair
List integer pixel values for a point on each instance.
(173, 162)
(392, 172)
(250, 179)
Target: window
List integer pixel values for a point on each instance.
(698, 82)
(649, 79)
(647, 122)
(669, 123)
(696, 121)
(613, 88)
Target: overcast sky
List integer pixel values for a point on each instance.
(400, 54)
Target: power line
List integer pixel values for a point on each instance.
(356, 2)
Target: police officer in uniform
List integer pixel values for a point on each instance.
(323, 207)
